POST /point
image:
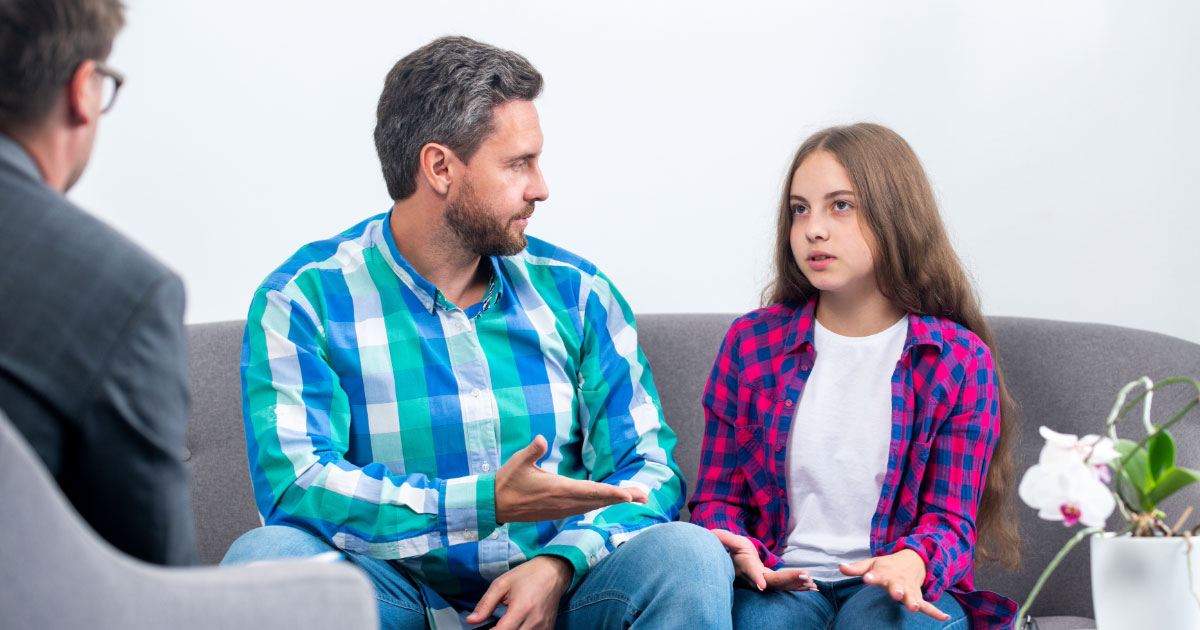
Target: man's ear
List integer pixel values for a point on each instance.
(438, 166)
(82, 100)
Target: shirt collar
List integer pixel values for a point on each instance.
(801, 333)
(15, 155)
(922, 329)
(429, 295)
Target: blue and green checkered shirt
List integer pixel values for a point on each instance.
(377, 413)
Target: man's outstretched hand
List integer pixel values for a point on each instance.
(526, 493)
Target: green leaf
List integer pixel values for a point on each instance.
(1171, 482)
(1162, 455)
(1136, 471)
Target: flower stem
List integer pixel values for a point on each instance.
(1062, 553)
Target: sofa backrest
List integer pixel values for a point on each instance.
(1063, 375)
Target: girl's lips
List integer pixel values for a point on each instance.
(820, 261)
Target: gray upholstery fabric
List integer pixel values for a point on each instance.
(1064, 375)
(1064, 623)
(57, 573)
(221, 494)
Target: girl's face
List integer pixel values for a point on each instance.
(828, 241)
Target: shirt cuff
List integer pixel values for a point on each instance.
(581, 546)
(932, 588)
(469, 508)
(573, 555)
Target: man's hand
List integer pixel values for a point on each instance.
(526, 493)
(750, 568)
(531, 591)
(901, 575)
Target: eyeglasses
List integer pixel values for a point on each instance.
(112, 81)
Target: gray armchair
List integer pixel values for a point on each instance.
(55, 572)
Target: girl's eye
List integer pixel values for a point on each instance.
(841, 205)
(799, 209)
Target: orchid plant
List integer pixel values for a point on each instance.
(1070, 482)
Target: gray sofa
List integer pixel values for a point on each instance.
(1064, 375)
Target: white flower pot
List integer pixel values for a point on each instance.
(1143, 583)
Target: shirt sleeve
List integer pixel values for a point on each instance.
(626, 441)
(956, 466)
(723, 498)
(297, 434)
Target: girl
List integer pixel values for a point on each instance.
(851, 423)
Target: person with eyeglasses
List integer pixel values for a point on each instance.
(93, 354)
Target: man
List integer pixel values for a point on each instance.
(402, 379)
(92, 347)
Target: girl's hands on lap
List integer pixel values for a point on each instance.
(750, 568)
(901, 575)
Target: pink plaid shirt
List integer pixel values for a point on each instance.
(945, 422)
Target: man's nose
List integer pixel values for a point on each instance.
(538, 190)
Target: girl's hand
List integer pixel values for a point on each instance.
(750, 568)
(901, 575)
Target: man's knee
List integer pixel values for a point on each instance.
(274, 542)
(689, 549)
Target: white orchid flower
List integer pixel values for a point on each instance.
(1066, 484)
(1063, 449)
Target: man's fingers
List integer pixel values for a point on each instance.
(532, 453)
(511, 620)
(637, 495)
(487, 603)
(603, 493)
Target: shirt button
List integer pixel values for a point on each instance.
(649, 399)
(783, 492)
(787, 403)
(485, 467)
(803, 368)
(778, 448)
(471, 535)
(475, 393)
(495, 534)
(459, 326)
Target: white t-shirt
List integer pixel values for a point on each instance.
(837, 449)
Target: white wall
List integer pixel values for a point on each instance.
(1061, 137)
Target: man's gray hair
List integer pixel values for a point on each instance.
(444, 92)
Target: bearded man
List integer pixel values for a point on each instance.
(461, 410)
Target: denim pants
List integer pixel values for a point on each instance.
(673, 575)
(842, 605)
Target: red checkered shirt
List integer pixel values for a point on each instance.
(945, 423)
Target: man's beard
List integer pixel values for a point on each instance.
(479, 230)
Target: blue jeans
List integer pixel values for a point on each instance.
(673, 575)
(843, 605)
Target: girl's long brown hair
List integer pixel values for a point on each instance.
(917, 269)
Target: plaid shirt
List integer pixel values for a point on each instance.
(945, 422)
(377, 413)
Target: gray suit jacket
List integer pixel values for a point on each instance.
(93, 362)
